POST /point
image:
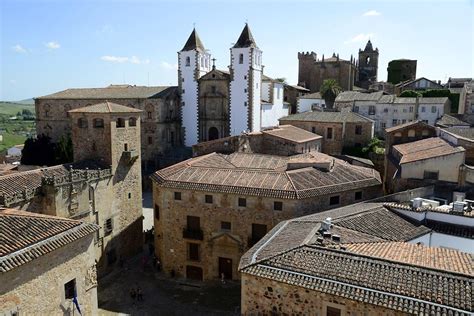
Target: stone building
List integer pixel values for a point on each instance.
(160, 126)
(45, 262)
(400, 70)
(420, 84)
(103, 186)
(367, 66)
(465, 88)
(312, 71)
(210, 209)
(340, 130)
(310, 102)
(365, 259)
(463, 137)
(291, 95)
(284, 140)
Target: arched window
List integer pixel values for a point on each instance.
(98, 123)
(213, 133)
(241, 58)
(188, 61)
(367, 60)
(411, 133)
(120, 122)
(132, 121)
(425, 133)
(82, 122)
(47, 108)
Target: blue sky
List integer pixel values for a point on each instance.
(48, 46)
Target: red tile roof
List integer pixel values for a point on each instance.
(425, 149)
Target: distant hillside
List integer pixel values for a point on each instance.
(26, 101)
(10, 108)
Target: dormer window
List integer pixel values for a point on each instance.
(120, 122)
(241, 58)
(132, 121)
(82, 122)
(188, 61)
(98, 123)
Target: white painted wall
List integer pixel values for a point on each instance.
(434, 239)
(305, 105)
(447, 166)
(14, 151)
(431, 113)
(189, 97)
(266, 88)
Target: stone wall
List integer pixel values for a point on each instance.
(262, 296)
(313, 73)
(171, 246)
(37, 287)
(160, 120)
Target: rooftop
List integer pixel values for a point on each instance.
(292, 133)
(295, 177)
(27, 236)
(448, 120)
(370, 261)
(405, 125)
(332, 117)
(425, 149)
(467, 133)
(193, 42)
(316, 95)
(245, 39)
(113, 92)
(106, 107)
(358, 96)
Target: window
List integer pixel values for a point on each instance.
(245, 103)
(149, 114)
(241, 58)
(313, 130)
(94, 146)
(120, 122)
(333, 311)
(278, 206)
(177, 196)
(108, 227)
(383, 125)
(70, 289)
(358, 129)
(125, 147)
(329, 133)
(245, 90)
(395, 110)
(411, 109)
(372, 110)
(157, 212)
(404, 110)
(404, 121)
(213, 89)
(132, 121)
(188, 61)
(431, 175)
(385, 110)
(433, 109)
(193, 223)
(358, 195)
(356, 109)
(245, 77)
(242, 202)
(193, 252)
(258, 231)
(425, 121)
(425, 133)
(98, 123)
(129, 195)
(208, 199)
(226, 226)
(184, 91)
(150, 140)
(82, 123)
(394, 122)
(334, 200)
(411, 133)
(423, 109)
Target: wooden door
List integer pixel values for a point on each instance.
(225, 266)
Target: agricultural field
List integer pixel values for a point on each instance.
(15, 131)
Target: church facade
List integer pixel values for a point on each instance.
(220, 103)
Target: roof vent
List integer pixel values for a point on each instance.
(326, 224)
(336, 238)
(326, 234)
(417, 202)
(299, 163)
(320, 240)
(458, 207)
(459, 196)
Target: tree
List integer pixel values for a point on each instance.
(39, 152)
(63, 150)
(410, 94)
(282, 80)
(329, 91)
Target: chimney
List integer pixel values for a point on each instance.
(458, 207)
(326, 224)
(336, 238)
(417, 202)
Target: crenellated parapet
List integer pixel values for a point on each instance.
(307, 55)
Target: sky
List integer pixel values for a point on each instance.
(49, 46)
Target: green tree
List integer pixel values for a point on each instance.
(410, 94)
(63, 150)
(38, 151)
(329, 91)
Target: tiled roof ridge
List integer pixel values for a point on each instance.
(39, 170)
(302, 219)
(47, 245)
(21, 213)
(420, 209)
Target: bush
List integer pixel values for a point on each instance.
(41, 151)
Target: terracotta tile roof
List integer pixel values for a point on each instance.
(402, 126)
(332, 117)
(358, 96)
(425, 149)
(448, 120)
(106, 107)
(398, 286)
(113, 92)
(26, 236)
(266, 175)
(467, 133)
(24, 185)
(419, 255)
(292, 133)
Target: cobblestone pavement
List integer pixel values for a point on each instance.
(163, 295)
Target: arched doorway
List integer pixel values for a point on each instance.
(213, 133)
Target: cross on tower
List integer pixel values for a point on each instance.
(213, 63)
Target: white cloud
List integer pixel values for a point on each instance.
(362, 37)
(169, 66)
(124, 59)
(19, 49)
(372, 13)
(52, 45)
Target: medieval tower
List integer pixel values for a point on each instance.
(245, 85)
(193, 62)
(368, 66)
(109, 133)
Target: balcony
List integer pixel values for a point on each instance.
(130, 156)
(195, 234)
